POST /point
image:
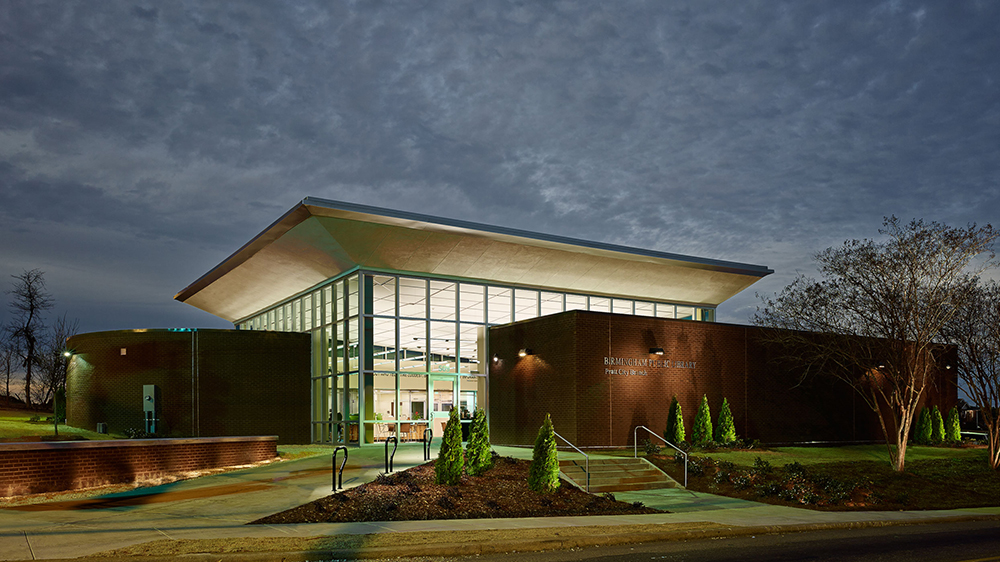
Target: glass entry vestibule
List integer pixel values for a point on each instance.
(393, 353)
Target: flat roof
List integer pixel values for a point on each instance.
(320, 238)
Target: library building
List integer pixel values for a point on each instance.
(354, 323)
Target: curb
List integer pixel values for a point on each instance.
(531, 545)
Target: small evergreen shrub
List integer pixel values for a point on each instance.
(478, 454)
(937, 426)
(450, 462)
(922, 434)
(650, 448)
(701, 433)
(953, 429)
(762, 467)
(725, 429)
(675, 423)
(543, 476)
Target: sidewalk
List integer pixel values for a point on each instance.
(217, 507)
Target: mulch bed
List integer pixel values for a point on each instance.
(412, 495)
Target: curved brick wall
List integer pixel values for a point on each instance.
(213, 383)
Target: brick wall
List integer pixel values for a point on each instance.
(592, 407)
(33, 468)
(212, 382)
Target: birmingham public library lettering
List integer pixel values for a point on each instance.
(396, 318)
(651, 363)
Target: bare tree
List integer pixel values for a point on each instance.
(8, 361)
(975, 331)
(52, 359)
(29, 303)
(875, 319)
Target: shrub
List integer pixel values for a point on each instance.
(937, 426)
(450, 462)
(953, 430)
(478, 454)
(543, 476)
(675, 423)
(922, 434)
(761, 466)
(701, 433)
(650, 448)
(725, 429)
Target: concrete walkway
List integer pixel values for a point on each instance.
(219, 506)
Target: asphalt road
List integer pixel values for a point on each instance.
(969, 541)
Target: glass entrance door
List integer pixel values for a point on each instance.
(444, 399)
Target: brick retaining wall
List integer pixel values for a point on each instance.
(33, 468)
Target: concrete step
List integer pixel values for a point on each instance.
(616, 475)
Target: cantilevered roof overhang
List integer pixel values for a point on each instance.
(319, 239)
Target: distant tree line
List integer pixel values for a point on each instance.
(33, 360)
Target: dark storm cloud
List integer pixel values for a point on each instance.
(752, 131)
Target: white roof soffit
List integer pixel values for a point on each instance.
(319, 239)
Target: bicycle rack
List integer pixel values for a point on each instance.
(388, 457)
(428, 437)
(342, 465)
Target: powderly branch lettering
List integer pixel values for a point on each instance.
(611, 362)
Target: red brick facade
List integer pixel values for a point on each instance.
(594, 373)
(212, 383)
(34, 468)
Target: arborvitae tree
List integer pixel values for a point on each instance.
(923, 429)
(725, 429)
(701, 433)
(937, 426)
(952, 428)
(675, 423)
(478, 455)
(450, 462)
(544, 473)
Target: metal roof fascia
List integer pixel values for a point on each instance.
(719, 265)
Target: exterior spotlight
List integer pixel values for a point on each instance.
(947, 366)
(656, 351)
(525, 352)
(67, 354)
(881, 366)
(496, 358)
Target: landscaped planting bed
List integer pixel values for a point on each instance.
(412, 495)
(960, 478)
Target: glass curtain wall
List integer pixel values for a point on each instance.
(393, 354)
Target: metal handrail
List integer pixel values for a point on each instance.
(428, 437)
(342, 465)
(388, 457)
(587, 469)
(635, 443)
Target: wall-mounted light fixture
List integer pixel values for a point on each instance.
(67, 353)
(656, 351)
(496, 358)
(525, 352)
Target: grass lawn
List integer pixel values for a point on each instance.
(16, 425)
(290, 452)
(780, 456)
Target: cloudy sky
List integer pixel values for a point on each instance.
(143, 142)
